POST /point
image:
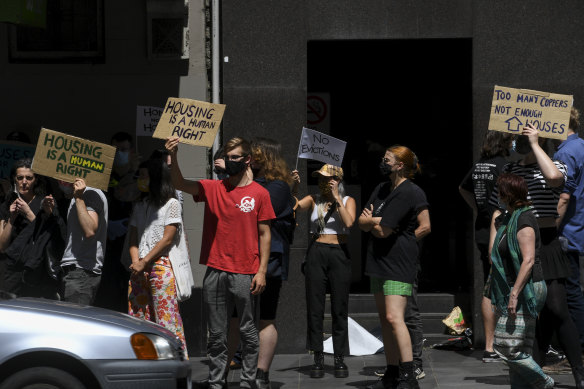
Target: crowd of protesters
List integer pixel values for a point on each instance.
(126, 250)
(529, 224)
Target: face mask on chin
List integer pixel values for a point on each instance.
(233, 168)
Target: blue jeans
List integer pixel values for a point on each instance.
(574, 294)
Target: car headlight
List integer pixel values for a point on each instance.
(150, 346)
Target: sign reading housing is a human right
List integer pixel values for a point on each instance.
(193, 122)
(66, 157)
(512, 109)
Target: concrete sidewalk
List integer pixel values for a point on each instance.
(444, 369)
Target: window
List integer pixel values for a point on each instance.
(74, 32)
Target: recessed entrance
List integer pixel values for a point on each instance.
(417, 93)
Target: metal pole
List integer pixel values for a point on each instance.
(215, 63)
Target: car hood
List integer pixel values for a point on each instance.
(99, 323)
(81, 312)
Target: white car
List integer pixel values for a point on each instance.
(53, 344)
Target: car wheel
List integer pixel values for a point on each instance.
(41, 378)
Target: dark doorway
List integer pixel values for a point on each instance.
(416, 93)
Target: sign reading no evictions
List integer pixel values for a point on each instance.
(513, 109)
(322, 147)
(67, 157)
(193, 122)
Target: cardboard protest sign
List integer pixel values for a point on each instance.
(193, 122)
(67, 157)
(146, 120)
(322, 147)
(11, 152)
(513, 109)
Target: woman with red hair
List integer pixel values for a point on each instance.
(518, 290)
(545, 179)
(396, 216)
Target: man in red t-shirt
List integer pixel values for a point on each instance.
(237, 216)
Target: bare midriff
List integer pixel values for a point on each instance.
(333, 239)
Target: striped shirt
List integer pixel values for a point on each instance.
(543, 197)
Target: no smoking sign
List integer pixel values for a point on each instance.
(318, 110)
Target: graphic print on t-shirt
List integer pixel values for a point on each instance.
(247, 204)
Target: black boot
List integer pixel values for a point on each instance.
(407, 378)
(579, 377)
(317, 370)
(263, 380)
(341, 370)
(389, 379)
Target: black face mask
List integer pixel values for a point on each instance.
(233, 168)
(384, 169)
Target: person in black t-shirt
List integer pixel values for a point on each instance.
(476, 188)
(396, 216)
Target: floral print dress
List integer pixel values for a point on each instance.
(152, 295)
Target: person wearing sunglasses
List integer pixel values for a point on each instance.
(332, 214)
(396, 217)
(235, 248)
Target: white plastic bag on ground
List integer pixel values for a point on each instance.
(361, 341)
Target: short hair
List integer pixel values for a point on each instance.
(408, 158)
(122, 136)
(513, 189)
(237, 142)
(495, 143)
(574, 119)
